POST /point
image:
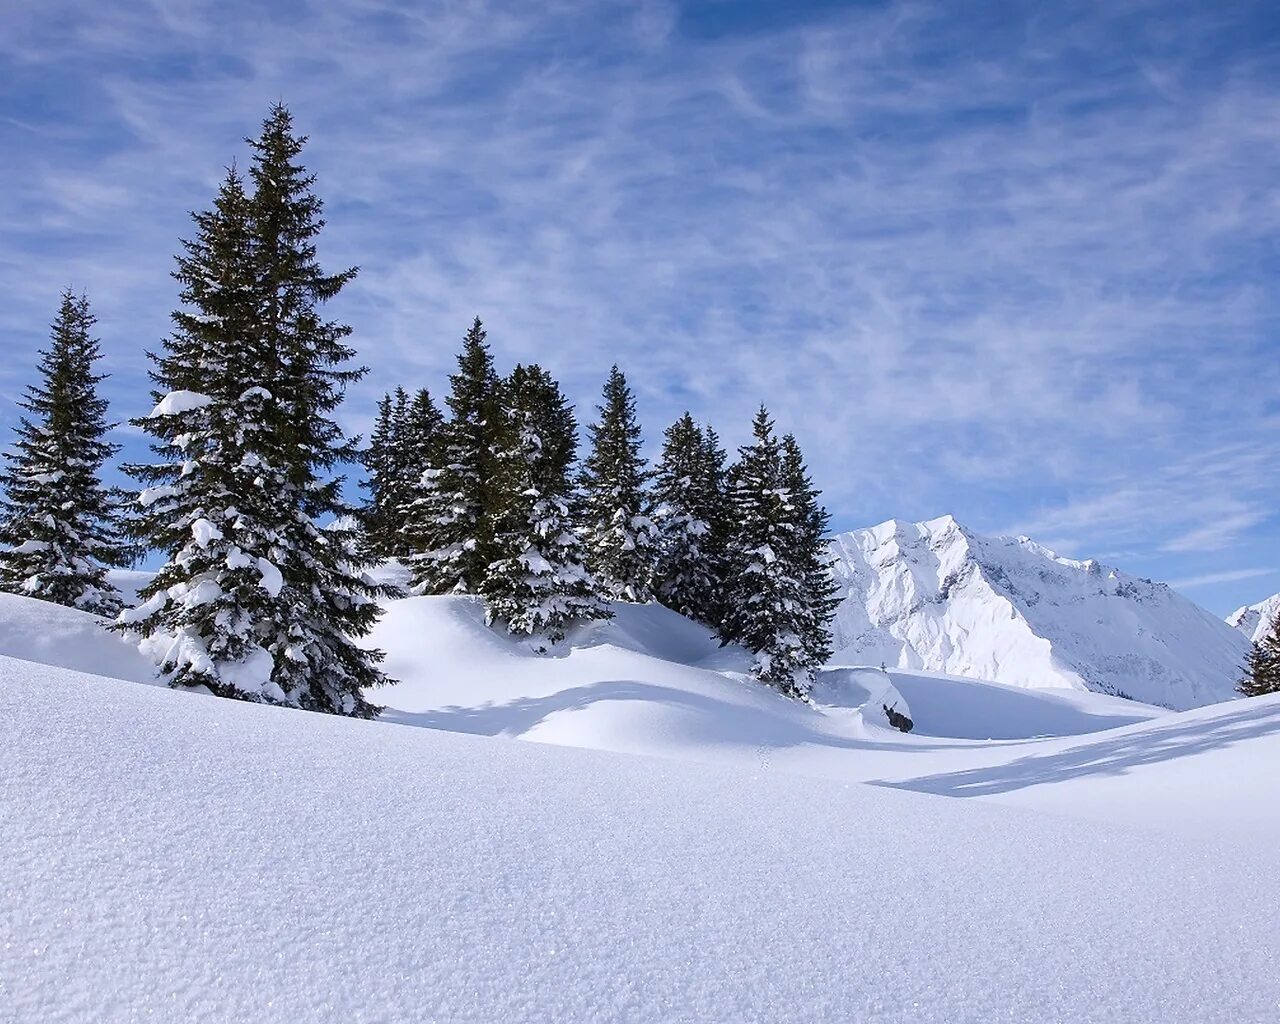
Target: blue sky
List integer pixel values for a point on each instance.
(1015, 262)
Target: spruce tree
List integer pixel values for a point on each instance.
(210, 498)
(417, 443)
(450, 521)
(689, 495)
(1262, 666)
(616, 510)
(59, 526)
(380, 460)
(537, 584)
(248, 384)
(327, 601)
(810, 555)
(766, 606)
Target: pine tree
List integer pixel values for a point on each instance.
(210, 500)
(811, 556)
(59, 526)
(616, 515)
(689, 494)
(450, 522)
(766, 606)
(248, 383)
(417, 443)
(1262, 666)
(328, 602)
(537, 584)
(379, 459)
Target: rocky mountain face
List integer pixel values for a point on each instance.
(1255, 619)
(938, 597)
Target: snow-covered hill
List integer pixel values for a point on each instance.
(936, 596)
(1253, 620)
(173, 856)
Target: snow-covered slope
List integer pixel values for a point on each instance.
(56, 635)
(176, 857)
(1253, 620)
(938, 597)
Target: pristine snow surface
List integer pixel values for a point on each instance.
(938, 597)
(175, 857)
(1253, 620)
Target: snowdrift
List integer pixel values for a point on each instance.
(53, 634)
(171, 856)
(935, 596)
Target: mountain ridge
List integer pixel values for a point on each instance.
(940, 597)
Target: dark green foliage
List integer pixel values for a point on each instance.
(246, 468)
(1262, 666)
(59, 527)
(780, 598)
(810, 555)
(450, 524)
(616, 511)
(536, 584)
(690, 497)
(399, 453)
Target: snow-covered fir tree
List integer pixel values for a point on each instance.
(1262, 665)
(537, 584)
(689, 496)
(417, 442)
(209, 500)
(450, 527)
(769, 607)
(385, 475)
(616, 505)
(400, 450)
(247, 386)
(810, 554)
(59, 526)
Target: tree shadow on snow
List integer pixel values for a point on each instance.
(1107, 757)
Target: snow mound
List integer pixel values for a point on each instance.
(53, 634)
(937, 597)
(1253, 620)
(171, 856)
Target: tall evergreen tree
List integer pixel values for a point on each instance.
(59, 526)
(537, 584)
(380, 459)
(1262, 667)
(253, 349)
(418, 441)
(616, 515)
(766, 600)
(210, 498)
(689, 495)
(449, 520)
(810, 555)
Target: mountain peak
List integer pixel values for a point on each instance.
(937, 596)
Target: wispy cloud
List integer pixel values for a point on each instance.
(1012, 262)
(1213, 578)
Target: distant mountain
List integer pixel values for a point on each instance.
(1254, 619)
(939, 597)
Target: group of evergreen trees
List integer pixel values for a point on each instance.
(487, 502)
(1262, 666)
(262, 593)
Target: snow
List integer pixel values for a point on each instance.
(177, 402)
(203, 532)
(53, 634)
(171, 856)
(272, 580)
(1254, 620)
(938, 597)
(677, 842)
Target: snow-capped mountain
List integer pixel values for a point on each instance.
(1253, 619)
(936, 596)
